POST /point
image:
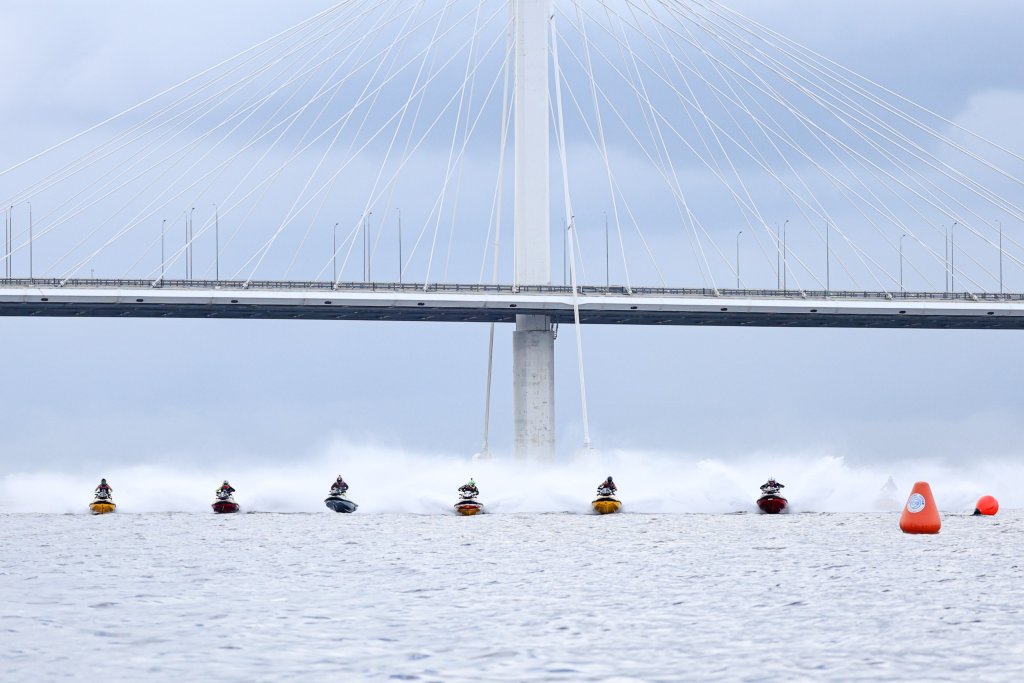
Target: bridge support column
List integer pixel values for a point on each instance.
(533, 350)
(533, 387)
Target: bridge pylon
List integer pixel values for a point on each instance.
(533, 342)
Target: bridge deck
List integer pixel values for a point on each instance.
(501, 303)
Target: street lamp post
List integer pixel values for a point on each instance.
(7, 243)
(1000, 255)
(607, 259)
(565, 252)
(334, 254)
(738, 258)
(952, 256)
(785, 266)
(163, 229)
(399, 246)
(10, 241)
(828, 260)
(369, 248)
(778, 259)
(31, 259)
(188, 247)
(945, 255)
(902, 288)
(216, 242)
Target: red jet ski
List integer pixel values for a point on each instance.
(770, 502)
(225, 503)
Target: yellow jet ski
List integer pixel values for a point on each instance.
(606, 503)
(102, 504)
(468, 505)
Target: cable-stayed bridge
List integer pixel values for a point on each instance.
(698, 168)
(390, 301)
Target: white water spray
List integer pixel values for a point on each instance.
(394, 481)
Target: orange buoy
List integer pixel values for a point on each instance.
(920, 516)
(986, 505)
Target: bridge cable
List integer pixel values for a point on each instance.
(720, 130)
(506, 114)
(875, 170)
(677, 193)
(81, 207)
(452, 146)
(143, 215)
(367, 143)
(571, 230)
(748, 207)
(932, 161)
(391, 59)
(635, 76)
(312, 20)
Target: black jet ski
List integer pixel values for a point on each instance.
(338, 502)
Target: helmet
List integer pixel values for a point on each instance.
(103, 481)
(471, 482)
(339, 476)
(226, 483)
(609, 478)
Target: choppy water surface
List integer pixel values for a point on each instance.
(509, 597)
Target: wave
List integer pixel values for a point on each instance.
(394, 481)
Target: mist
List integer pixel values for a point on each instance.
(387, 480)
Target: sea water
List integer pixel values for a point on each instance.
(509, 597)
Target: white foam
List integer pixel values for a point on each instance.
(388, 480)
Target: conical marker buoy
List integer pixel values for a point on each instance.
(986, 505)
(920, 516)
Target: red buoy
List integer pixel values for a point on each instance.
(920, 516)
(986, 505)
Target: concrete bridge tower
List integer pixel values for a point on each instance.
(533, 342)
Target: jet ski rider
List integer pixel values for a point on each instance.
(771, 487)
(226, 488)
(104, 490)
(608, 484)
(339, 485)
(470, 488)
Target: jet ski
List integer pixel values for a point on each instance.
(887, 497)
(338, 502)
(606, 503)
(102, 504)
(468, 504)
(770, 502)
(225, 503)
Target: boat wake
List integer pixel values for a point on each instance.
(389, 481)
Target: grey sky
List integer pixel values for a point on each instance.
(102, 391)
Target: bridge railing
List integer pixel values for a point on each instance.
(412, 288)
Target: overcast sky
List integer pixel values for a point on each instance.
(84, 393)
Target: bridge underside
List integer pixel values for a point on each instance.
(469, 315)
(470, 303)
